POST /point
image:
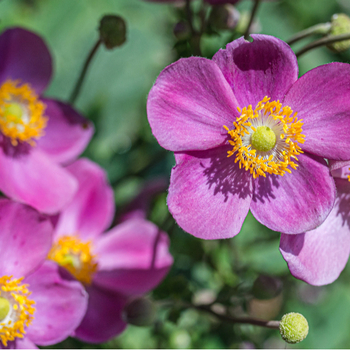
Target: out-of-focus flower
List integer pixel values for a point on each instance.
(36, 134)
(37, 306)
(238, 143)
(319, 256)
(128, 260)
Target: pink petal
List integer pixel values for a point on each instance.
(189, 104)
(34, 179)
(103, 318)
(209, 196)
(67, 133)
(60, 305)
(26, 238)
(25, 57)
(91, 210)
(318, 256)
(265, 67)
(25, 343)
(322, 99)
(295, 202)
(132, 258)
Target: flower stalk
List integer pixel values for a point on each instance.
(321, 28)
(252, 16)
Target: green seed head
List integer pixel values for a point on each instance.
(340, 24)
(294, 328)
(4, 308)
(263, 139)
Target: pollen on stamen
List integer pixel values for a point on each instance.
(264, 155)
(21, 113)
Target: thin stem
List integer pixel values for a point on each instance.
(195, 37)
(189, 17)
(81, 78)
(324, 41)
(321, 28)
(252, 15)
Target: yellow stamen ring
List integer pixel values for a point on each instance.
(75, 256)
(14, 296)
(265, 139)
(21, 113)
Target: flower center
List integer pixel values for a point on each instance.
(265, 139)
(75, 256)
(21, 113)
(16, 309)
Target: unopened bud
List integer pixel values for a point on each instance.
(140, 312)
(340, 24)
(266, 287)
(112, 31)
(182, 30)
(224, 17)
(294, 328)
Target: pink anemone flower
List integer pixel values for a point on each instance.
(128, 260)
(37, 306)
(249, 135)
(320, 255)
(36, 134)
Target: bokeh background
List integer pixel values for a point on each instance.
(114, 97)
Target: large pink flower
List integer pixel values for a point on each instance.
(130, 259)
(238, 143)
(43, 308)
(36, 134)
(319, 256)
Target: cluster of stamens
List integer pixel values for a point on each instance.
(75, 256)
(21, 113)
(16, 309)
(279, 122)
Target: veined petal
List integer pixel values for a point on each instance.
(25, 57)
(318, 256)
(296, 202)
(67, 132)
(322, 99)
(209, 196)
(189, 104)
(265, 67)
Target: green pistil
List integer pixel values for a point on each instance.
(4, 308)
(263, 139)
(15, 110)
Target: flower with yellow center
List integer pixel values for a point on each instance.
(76, 256)
(16, 309)
(21, 113)
(266, 139)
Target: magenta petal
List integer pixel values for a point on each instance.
(25, 57)
(295, 202)
(25, 343)
(103, 318)
(265, 67)
(67, 133)
(60, 305)
(339, 168)
(34, 179)
(133, 257)
(91, 210)
(209, 196)
(189, 104)
(322, 99)
(318, 256)
(26, 238)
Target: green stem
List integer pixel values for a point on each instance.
(321, 28)
(322, 42)
(81, 78)
(252, 16)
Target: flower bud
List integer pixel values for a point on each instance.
(182, 30)
(140, 312)
(294, 328)
(224, 17)
(112, 31)
(266, 287)
(340, 24)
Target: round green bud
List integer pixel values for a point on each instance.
(112, 31)
(263, 139)
(140, 312)
(340, 24)
(4, 308)
(294, 328)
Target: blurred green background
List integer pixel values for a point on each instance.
(114, 97)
